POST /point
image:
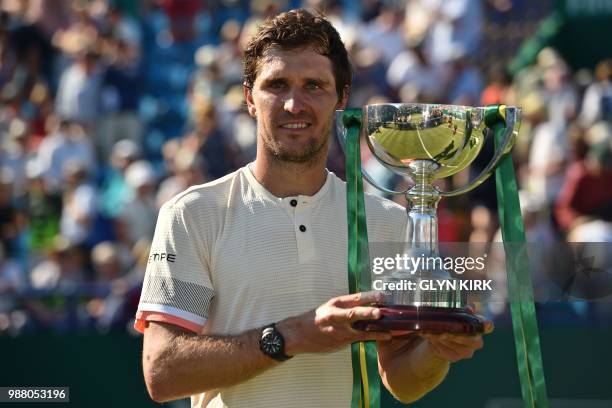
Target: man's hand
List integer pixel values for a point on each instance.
(328, 327)
(455, 347)
(411, 366)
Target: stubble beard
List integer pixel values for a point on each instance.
(310, 154)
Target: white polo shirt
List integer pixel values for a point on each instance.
(228, 256)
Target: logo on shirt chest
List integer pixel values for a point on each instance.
(162, 256)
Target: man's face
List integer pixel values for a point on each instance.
(294, 99)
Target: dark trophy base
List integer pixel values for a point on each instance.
(425, 319)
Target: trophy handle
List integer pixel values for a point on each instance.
(352, 118)
(495, 114)
(369, 179)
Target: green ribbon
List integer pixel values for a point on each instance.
(520, 290)
(366, 381)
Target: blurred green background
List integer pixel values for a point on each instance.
(105, 371)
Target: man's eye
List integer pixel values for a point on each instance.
(277, 85)
(313, 85)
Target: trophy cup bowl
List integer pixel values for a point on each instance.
(426, 142)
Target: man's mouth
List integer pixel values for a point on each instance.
(295, 125)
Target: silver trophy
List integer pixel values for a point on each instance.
(426, 142)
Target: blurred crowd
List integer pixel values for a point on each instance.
(109, 108)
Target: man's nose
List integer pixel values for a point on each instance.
(294, 102)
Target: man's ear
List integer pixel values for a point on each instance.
(248, 97)
(344, 99)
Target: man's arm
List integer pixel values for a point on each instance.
(177, 363)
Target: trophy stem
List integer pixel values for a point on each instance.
(422, 237)
(422, 204)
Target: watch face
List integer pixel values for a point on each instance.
(271, 343)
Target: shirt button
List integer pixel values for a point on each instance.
(302, 228)
(293, 203)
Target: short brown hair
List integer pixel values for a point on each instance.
(296, 29)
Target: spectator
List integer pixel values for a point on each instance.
(114, 191)
(43, 207)
(240, 127)
(207, 82)
(369, 73)
(140, 211)
(230, 53)
(79, 203)
(597, 102)
(107, 310)
(79, 89)
(451, 26)
(467, 82)
(583, 198)
(548, 154)
(125, 29)
(10, 226)
(499, 88)
(121, 92)
(384, 33)
(181, 14)
(207, 139)
(58, 284)
(189, 172)
(15, 155)
(68, 142)
(42, 115)
(559, 94)
(8, 57)
(414, 67)
(13, 281)
(64, 267)
(49, 16)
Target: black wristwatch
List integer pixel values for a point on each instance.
(272, 343)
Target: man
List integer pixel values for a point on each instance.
(245, 299)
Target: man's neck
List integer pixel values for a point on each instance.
(288, 179)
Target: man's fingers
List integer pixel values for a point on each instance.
(461, 350)
(474, 307)
(358, 313)
(452, 350)
(446, 352)
(462, 340)
(465, 348)
(488, 324)
(357, 299)
(333, 315)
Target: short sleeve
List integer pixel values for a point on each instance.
(177, 287)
